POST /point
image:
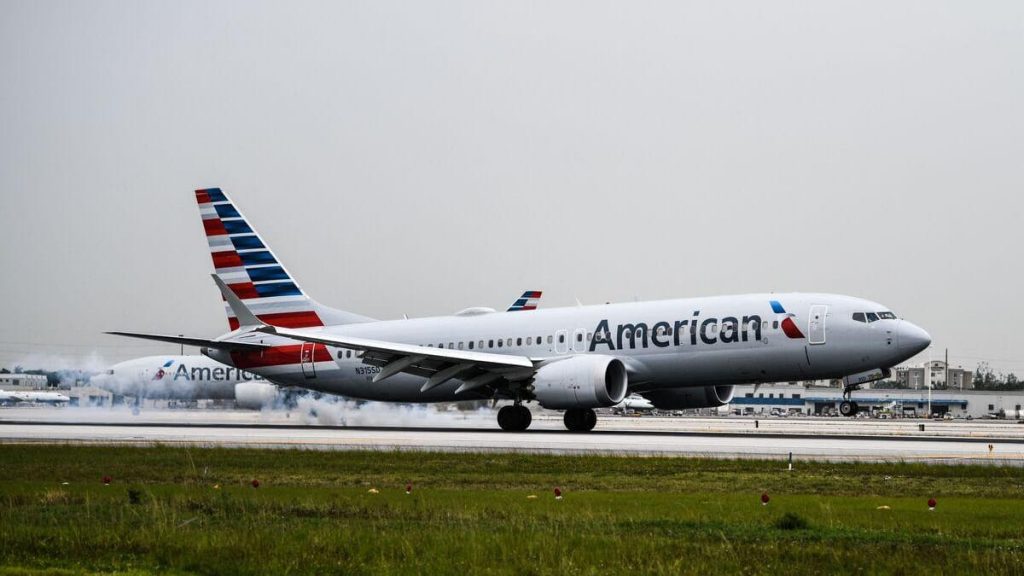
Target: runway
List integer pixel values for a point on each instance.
(995, 443)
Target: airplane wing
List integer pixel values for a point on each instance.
(201, 342)
(438, 365)
(528, 301)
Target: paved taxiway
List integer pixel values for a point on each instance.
(807, 439)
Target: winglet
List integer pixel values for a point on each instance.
(246, 319)
(528, 301)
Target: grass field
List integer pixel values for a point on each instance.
(176, 510)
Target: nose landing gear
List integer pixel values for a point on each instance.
(848, 407)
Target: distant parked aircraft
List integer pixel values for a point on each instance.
(32, 397)
(189, 377)
(634, 403)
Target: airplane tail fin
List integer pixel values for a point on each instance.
(528, 301)
(245, 264)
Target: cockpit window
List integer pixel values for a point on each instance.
(110, 372)
(858, 316)
(872, 317)
(886, 315)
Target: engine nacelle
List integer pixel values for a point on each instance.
(684, 398)
(587, 381)
(255, 395)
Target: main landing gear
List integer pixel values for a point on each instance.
(515, 418)
(848, 407)
(580, 419)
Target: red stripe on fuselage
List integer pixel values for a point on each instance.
(278, 356)
(305, 319)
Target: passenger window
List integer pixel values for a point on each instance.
(872, 317)
(519, 341)
(764, 326)
(579, 337)
(470, 344)
(859, 316)
(540, 340)
(340, 354)
(490, 343)
(451, 345)
(441, 345)
(499, 343)
(481, 345)
(561, 338)
(549, 339)
(529, 340)
(509, 343)
(590, 336)
(775, 325)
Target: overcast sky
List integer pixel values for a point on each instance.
(421, 157)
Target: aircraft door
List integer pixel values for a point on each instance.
(306, 359)
(816, 324)
(561, 342)
(579, 341)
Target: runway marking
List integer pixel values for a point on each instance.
(719, 432)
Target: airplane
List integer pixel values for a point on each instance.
(635, 403)
(15, 397)
(678, 354)
(198, 377)
(186, 377)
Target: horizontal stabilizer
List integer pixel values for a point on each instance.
(201, 342)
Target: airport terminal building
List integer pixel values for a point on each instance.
(811, 400)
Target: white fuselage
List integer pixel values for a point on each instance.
(189, 377)
(32, 397)
(664, 344)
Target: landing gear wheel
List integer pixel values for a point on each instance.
(525, 417)
(580, 419)
(514, 418)
(848, 408)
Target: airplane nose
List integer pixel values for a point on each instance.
(913, 339)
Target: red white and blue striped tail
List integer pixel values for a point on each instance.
(245, 263)
(528, 301)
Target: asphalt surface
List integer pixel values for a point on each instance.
(997, 443)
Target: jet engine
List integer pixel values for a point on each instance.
(589, 381)
(683, 398)
(254, 395)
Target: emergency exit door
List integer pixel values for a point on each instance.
(306, 359)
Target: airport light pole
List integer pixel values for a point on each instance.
(928, 375)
